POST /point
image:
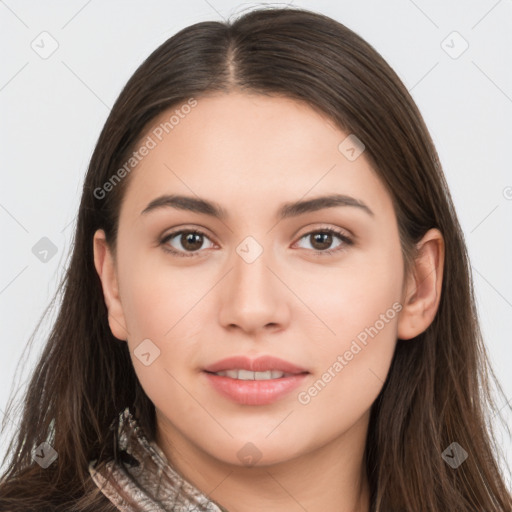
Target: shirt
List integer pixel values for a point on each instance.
(146, 482)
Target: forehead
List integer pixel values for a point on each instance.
(245, 150)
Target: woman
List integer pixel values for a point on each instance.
(269, 303)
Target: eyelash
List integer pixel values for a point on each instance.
(344, 238)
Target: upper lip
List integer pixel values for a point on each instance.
(259, 364)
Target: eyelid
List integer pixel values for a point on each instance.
(326, 227)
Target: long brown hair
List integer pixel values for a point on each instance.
(438, 387)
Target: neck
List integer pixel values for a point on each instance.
(330, 478)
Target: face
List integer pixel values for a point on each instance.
(319, 287)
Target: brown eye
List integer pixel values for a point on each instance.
(191, 241)
(182, 242)
(321, 241)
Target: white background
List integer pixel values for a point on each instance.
(53, 109)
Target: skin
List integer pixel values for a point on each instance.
(251, 154)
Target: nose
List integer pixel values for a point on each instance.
(253, 297)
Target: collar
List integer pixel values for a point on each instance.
(144, 480)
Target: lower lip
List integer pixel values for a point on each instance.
(255, 392)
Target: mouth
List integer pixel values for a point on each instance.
(241, 374)
(260, 381)
(260, 365)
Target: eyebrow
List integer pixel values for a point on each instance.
(291, 209)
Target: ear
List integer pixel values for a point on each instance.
(423, 291)
(105, 266)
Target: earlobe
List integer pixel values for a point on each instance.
(105, 267)
(423, 292)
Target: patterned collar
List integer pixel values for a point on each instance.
(146, 481)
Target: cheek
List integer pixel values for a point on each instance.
(162, 304)
(156, 294)
(352, 296)
(360, 305)
(162, 322)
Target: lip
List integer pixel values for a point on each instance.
(260, 364)
(255, 392)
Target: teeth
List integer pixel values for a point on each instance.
(248, 375)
